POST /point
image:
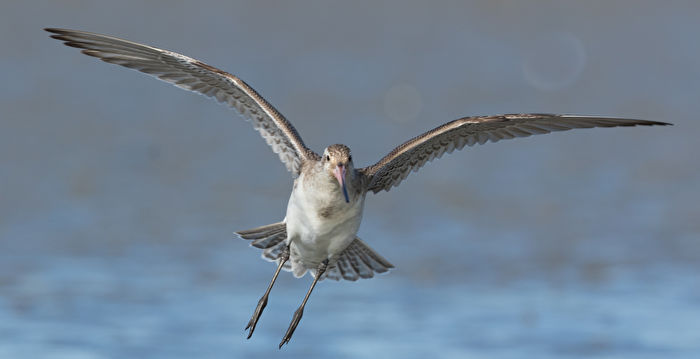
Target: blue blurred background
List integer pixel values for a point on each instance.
(119, 194)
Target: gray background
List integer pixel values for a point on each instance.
(119, 194)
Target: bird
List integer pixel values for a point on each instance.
(318, 234)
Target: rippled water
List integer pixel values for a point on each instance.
(119, 194)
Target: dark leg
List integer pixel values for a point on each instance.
(300, 311)
(284, 256)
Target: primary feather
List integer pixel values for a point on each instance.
(393, 168)
(194, 75)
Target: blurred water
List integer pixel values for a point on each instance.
(119, 194)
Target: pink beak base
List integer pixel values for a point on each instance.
(339, 173)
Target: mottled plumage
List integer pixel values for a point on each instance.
(319, 231)
(416, 152)
(194, 75)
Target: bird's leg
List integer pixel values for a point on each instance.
(284, 256)
(300, 311)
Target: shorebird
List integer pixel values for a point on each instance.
(319, 231)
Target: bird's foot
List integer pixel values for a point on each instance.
(292, 326)
(256, 315)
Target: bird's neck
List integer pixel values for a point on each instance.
(317, 179)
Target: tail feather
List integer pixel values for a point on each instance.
(273, 253)
(371, 258)
(270, 238)
(358, 260)
(266, 236)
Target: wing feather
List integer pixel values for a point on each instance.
(193, 75)
(416, 152)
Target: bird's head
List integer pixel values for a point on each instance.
(337, 162)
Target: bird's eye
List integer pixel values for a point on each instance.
(328, 158)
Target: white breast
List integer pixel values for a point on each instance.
(320, 224)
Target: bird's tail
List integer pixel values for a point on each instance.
(358, 260)
(270, 238)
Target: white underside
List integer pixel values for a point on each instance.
(314, 238)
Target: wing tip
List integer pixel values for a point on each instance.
(659, 123)
(58, 31)
(633, 121)
(62, 35)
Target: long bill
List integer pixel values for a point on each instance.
(339, 173)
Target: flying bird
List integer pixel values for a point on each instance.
(319, 232)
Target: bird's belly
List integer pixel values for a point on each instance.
(320, 229)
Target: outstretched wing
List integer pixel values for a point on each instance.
(194, 75)
(414, 153)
